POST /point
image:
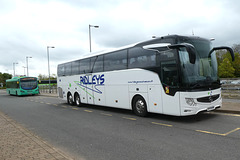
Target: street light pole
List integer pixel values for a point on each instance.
(27, 64)
(49, 67)
(14, 63)
(24, 70)
(89, 28)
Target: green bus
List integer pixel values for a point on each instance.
(22, 86)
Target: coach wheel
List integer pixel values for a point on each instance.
(70, 99)
(139, 106)
(77, 100)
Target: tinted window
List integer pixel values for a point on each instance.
(60, 70)
(169, 72)
(75, 67)
(98, 66)
(166, 55)
(85, 66)
(93, 60)
(13, 84)
(141, 58)
(28, 85)
(115, 61)
(68, 68)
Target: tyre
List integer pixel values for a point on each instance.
(77, 100)
(70, 99)
(139, 106)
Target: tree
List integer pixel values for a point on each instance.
(236, 48)
(42, 77)
(226, 69)
(4, 77)
(45, 77)
(222, 55)
(236, 65)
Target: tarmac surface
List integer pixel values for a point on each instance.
(16, 142)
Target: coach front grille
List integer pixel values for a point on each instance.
(208, 99)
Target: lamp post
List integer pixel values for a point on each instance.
(27, 64)
(89, 27)
(24, 70)
(14, 63)
(49, 66)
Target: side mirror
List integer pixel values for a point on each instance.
(223, 47)
(190, 49)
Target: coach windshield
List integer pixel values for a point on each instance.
(204, 71)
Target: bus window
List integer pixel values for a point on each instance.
(141, 58)
(68, 69)
(98, 66)
(75, 67)
(29, 84)
(169, 72)
(85, 66)
(60, 70)
(115, 61)
(166, 55)
(14, 84)
(93, 61)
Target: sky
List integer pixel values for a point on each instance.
(27, 27)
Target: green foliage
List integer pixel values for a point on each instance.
(4, 77)
(226, 67)
(236, 65)
(45, 77)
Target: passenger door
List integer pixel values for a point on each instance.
(169, 78)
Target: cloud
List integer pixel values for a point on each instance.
(28, 27)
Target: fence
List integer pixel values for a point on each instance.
(230, 86)
(231, 91)
(45, 89)
(227, 89)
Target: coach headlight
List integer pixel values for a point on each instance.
(190, 101)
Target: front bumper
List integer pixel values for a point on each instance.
(194, 102)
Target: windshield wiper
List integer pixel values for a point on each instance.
(195, 85)
(216, 83)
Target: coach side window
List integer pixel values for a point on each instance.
(60, 70)
(68, 68)
(75, 67)
(141, 58)
(169, 74)
(115, 61)
(93, 61)
(98, 65)
(85, 66)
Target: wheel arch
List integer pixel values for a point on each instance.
(75, 94)
(139, 105)
(68, 93)
(136, 95)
